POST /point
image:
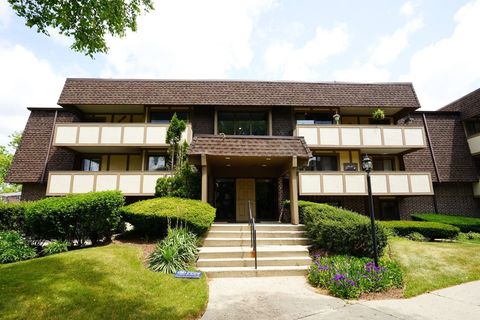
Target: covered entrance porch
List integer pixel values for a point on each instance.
(242, 170)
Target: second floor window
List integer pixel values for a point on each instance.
(383, 164)
(472, 126)
(323, 163)
(157, 162)
(243, 123)
(314, 118)
(91, 164)
(166, 116)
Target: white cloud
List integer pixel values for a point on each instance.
(299, 63)
(26, 81)
(187, 39)
(449, 68)
(386, 50)
(5, 14)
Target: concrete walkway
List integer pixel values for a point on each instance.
(293, 298)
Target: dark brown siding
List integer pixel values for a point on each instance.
(282, 124)
(450, 148)
(29, 160)
(203, 118)
(33, 191)
(468, 105)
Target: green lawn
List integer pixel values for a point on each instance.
(429, 266)
(108, 282)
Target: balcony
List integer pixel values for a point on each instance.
(85, 136)
(355, 183)
(474, 144)
(367, 138)
(131, 183)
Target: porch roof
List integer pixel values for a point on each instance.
(249, 146)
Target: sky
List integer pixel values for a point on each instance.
(433, 44)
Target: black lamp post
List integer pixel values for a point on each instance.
(367, 166)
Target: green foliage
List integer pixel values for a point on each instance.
(465, 224)
(416, 236)
(75, 218)
(6, 158)
(14, 248)
(12, 216)
(430, 230)
(176, 252)
(348, 277)
(378, 114)
(468, 236)
(339, 230)
(173, 137)
(87, 21)
(153, 217)
(55, 247)
(185, 183)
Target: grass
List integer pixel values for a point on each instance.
(108, 282)
(430, 266)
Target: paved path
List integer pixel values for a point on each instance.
(292, 298)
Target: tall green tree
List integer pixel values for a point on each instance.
(87, 21)
(174, 135)
(6, 158)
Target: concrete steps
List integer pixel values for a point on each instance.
(282, 250)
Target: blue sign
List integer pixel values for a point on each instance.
(188, 274)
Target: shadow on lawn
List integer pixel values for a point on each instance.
(50, 288)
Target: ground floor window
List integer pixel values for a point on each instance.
(388, 209)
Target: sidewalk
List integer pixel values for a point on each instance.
(293, 298)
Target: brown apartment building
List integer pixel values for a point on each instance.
(262, 142)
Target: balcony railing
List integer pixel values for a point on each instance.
(474, 144)
(362, 136)
(114, 134)
(131, 183)
(355, 183)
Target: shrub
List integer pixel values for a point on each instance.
(348, 277)
(175, 252)
(430, 230)
(14, 248)
(416, 236)
(341, 231)
(468, 236)
(12, 216)
(185, 183)
(75, 218)
(153, 217)
(466, 224)
(55, 247)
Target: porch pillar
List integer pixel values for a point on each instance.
(204, 179)
(294, 192)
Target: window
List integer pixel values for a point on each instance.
(157, 162)
(166, 116)
(388, 209)
(383, 164)
(323, 163)
(243, 123)
(472, 126)
(91, 164)
(314, 118)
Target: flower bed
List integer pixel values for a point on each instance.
(348, 277)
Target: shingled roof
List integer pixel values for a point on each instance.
(269, 146)
(252, 93)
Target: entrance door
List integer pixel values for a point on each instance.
(245, 192)
(225, 199)
(266, 198)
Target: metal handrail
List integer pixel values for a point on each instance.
(253, 232)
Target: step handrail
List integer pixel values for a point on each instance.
(253, 232)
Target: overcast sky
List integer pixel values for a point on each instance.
(434, 44)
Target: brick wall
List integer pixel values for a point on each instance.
(33, 191)
(409, 205)
(203, 118)
(282, 121)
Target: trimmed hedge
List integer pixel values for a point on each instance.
(430, 230)
(152, 217)
(74, 218)
(339, 230)
(12, 216)
(466, 224)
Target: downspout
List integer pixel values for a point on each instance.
(49, 147)
(427, 133)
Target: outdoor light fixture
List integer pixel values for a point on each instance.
(367, 166)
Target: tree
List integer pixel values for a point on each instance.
(6, 158)
(174, 135)
(87, 21)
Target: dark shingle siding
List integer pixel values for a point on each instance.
(247, 93)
